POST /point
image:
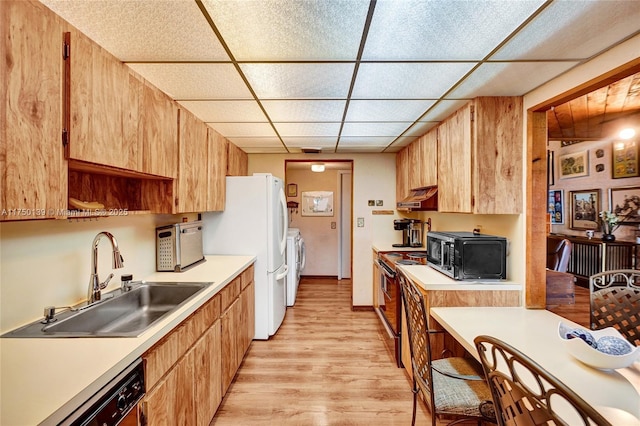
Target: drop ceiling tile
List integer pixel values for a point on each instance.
(369, 128)
(432, 30)
(308, 129)
(387, 110)
(354, 141)
(400, 143)
(507, 78)
(322, 142)
(573, 29)
(226, 111)
(262, 142)
(407, 80)
(156, 30)
(195, 81)
(264, 150)
(281, 81)
(361, 148)
(229, 130)
(290, 30)
(420, 128)
(296, 110)
(443, 109)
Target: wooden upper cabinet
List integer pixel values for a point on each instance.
(216, 169)
(33, 182)
(402, 174)
(192, 179)
(423, 161)
(237, 161)
(158, 132)
(99, 101)
(480, 158)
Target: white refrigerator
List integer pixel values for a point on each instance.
(255, 222)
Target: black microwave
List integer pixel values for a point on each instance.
(467, 255)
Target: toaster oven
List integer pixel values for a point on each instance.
(178, 246)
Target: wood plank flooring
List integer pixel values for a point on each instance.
(327, 365)
(579, 311)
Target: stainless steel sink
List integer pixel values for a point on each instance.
(119, 314)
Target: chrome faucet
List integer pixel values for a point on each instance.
(95, 286)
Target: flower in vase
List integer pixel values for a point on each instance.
(608, 221)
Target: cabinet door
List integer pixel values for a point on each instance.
(217, 169)
(99, 95)
(159, 133)
(402, 174)
(33, 181)
(497, 173)
(237, 161)
(454, 162)
(423, 161)
(249, 310)
(192, 194)
(171, 402)
(229, 324)
(208, 378)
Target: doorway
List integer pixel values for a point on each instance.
(321, 207)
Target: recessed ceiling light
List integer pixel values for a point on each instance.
(627, 133)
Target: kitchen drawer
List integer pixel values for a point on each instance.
(230, 293)
(246, 277)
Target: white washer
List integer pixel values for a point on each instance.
(295, 262)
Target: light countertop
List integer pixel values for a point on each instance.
(45, 379)
(535, 332)
(383, 247)
(431, 279)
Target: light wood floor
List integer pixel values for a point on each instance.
(327, 365)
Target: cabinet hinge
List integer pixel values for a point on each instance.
(66, 50)
(65, 137)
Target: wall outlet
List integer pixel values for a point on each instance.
(360, 222)
(333, 225)
(378, 202)
(371, 202)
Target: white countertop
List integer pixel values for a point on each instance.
(45, 379)
(431, 279)
(535, 332)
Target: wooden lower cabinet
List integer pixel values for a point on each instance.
(188, 372)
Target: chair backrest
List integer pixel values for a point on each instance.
(524, 393)
(558, 253)
(417, 330)
(614, 298)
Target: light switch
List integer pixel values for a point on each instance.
(360, 222)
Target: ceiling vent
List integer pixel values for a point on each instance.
(311, 150)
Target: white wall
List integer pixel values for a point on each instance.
(48, 262)
(374, 178)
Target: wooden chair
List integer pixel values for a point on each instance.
(614, 297)
(526, 394)
(451, 387)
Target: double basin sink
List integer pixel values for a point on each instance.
(118, 314)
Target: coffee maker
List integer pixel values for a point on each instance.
(412, 230)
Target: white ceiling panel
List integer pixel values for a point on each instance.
(407, 80)
(353, 141)
(387, 110)
(226, 111)
(574, 30)
(263, 150)
(195, 81)
(442, 29)
(400, 143)
(443, 109)
(506, 78)
(297, 110)
(134, 30)
(325, 143)
(369, 128)
(299, 81)
(420, 128)
(308, 129)
(265, 142)
(244, 129)
(289, 29)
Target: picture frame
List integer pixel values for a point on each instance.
(585, 207)
(556, 206)
(573, 165)
(292, 190)
(625, 203)
(317, 203)
(624, 156)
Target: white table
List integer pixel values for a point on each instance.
(615, 394)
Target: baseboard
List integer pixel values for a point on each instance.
(362, 308)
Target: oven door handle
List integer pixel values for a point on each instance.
(384, 269)
(443, 247)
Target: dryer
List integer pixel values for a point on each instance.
(295, 262)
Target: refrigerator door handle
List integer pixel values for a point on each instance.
(283, 273)
(285, 222)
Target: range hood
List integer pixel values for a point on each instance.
(420, 199)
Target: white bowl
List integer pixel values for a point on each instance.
(591, 356)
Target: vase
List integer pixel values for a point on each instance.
(608, 237)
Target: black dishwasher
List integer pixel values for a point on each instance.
(115, 402)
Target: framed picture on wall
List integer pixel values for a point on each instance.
(585, 206)
(625, 159)
(574, 165)
(556, 206)
(317, 203)
(625, 203)
(292, 190)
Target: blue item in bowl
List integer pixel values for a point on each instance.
(613, 345)
(582, 334)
